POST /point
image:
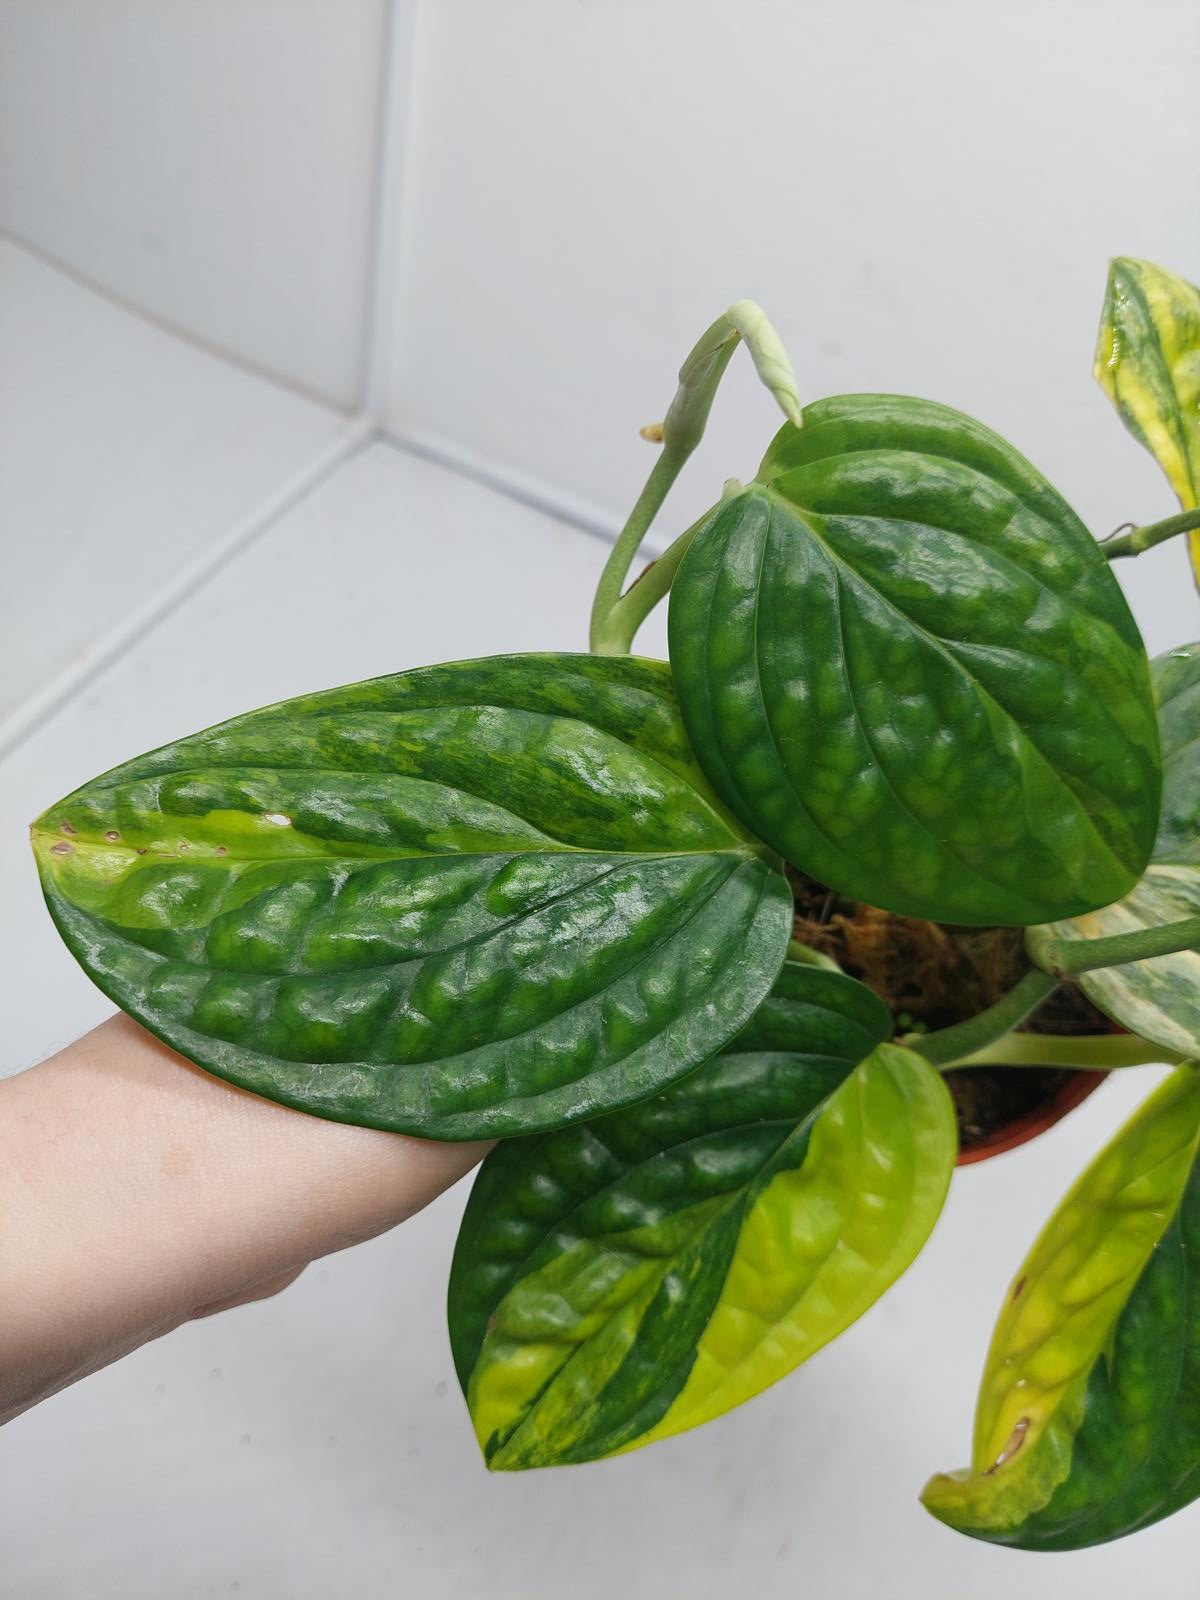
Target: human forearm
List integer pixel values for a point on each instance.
(137, 1192)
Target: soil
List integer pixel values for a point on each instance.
(931, 974)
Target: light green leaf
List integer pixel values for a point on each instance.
(466, 902)
(617, 1283)
(1088, 1419)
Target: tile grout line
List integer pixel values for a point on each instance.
(396, 163)
(526, 488)
(425, 444)
(354, 436)
(396, 139)
(205, 347)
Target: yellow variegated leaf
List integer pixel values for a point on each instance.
(1086, 1425)
(631, 1278)
(1148, 362)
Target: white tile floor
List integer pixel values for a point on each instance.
(316, 1446)
(129, 459)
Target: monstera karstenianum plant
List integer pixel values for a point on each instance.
(553, 900)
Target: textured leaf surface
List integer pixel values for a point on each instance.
(1148, 363)
(904, 663)
(1088, 1421)
(474, 900)
(1160, 999)
(617, 1283)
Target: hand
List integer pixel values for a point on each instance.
(138, 1192)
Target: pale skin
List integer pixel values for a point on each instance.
(137, 1193)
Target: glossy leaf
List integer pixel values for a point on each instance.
(904, 663)
(1160, 999)
(617, 1283)
(1148, 363)
(469, 901)
(1088, 1421)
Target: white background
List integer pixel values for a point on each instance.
(302, 240)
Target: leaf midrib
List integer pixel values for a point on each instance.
(381, 855)
(122, 937)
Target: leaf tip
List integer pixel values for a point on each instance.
(770, 358)
(943, 1496)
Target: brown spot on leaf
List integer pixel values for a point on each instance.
(62, 848)
(112, 836)
(1015, 1440)
(1018, 1286)
(222, 850)
(66, 827)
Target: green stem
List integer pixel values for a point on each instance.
(804, 955)
(1099, 1052)
(948, 1045)
(1145, 538)
(616, 569)
(626, 615)
(682, 429)
(1063, 957)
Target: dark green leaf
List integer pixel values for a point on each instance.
(904, 663)
(470, 901)
(1088, 1421)
(1160, 999)
(617, 1283)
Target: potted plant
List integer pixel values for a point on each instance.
(703, 942)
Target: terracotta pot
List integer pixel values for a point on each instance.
(1071, 1093)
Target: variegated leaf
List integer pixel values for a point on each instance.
(1148, 363)
(619, 1282)
(1088, 1419)
(1160, 999)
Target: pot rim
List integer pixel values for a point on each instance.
(1029, 1124)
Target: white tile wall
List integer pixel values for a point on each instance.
(923, 195)
(211, 160)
